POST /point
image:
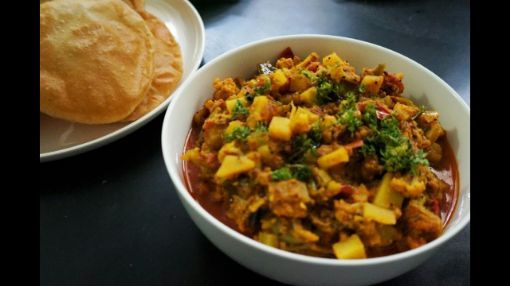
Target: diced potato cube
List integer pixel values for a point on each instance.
(192, 154)
(372, 83)
(308, 96)
(228, 149)
(255, 157)
(264, 151)
(344, 72)
(351, 248)
(327, 121)
(331, 60)
(404, 112)
(385, 197)
(334, 187)
(301, 120)
(378, 214)
(231, 103)
(233, 165)
(233, 125)
(279, 79)
(434, 132)
(299, 82)
(268, 239)
(336, 157)
(279, 128)
(259, 103)
(312, 57)
(299, 123)
(259, 111)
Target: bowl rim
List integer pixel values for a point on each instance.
(182, 190)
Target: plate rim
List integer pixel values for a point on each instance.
(135, 125)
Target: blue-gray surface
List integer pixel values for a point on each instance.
(112, 217)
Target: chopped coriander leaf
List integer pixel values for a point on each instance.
(239, 110)
(325, 91)
(395, 149)
(367, 149)
(299, 171)
(350, 119)
(390, 132)
(281, 174)
(260, 127)
(310, 75)
(239, 133)
(418, 159)
(316, 133)
(328, 91)
(395, 157)
(370, 116)
(301, 146)
(361, 89)
(402, 157)
(349, 102)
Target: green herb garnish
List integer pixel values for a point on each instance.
(239, 110)
(239, 133)
(349, 102)
(402, 157)
(370, 116)
(328, 91)
(350, 119)
(316, 133)
(310, 75)
(281, 174)
(302, 145)
(260, 127)
(394, 149)
(299, 171)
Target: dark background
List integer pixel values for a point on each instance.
(112, 217)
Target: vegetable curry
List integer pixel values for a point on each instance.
(310, 157)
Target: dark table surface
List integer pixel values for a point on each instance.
(112, 217)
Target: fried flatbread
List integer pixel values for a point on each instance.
(96, 60)
(167, 64)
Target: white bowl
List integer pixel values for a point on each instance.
(420, 84)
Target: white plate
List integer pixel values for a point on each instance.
(60, 139)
